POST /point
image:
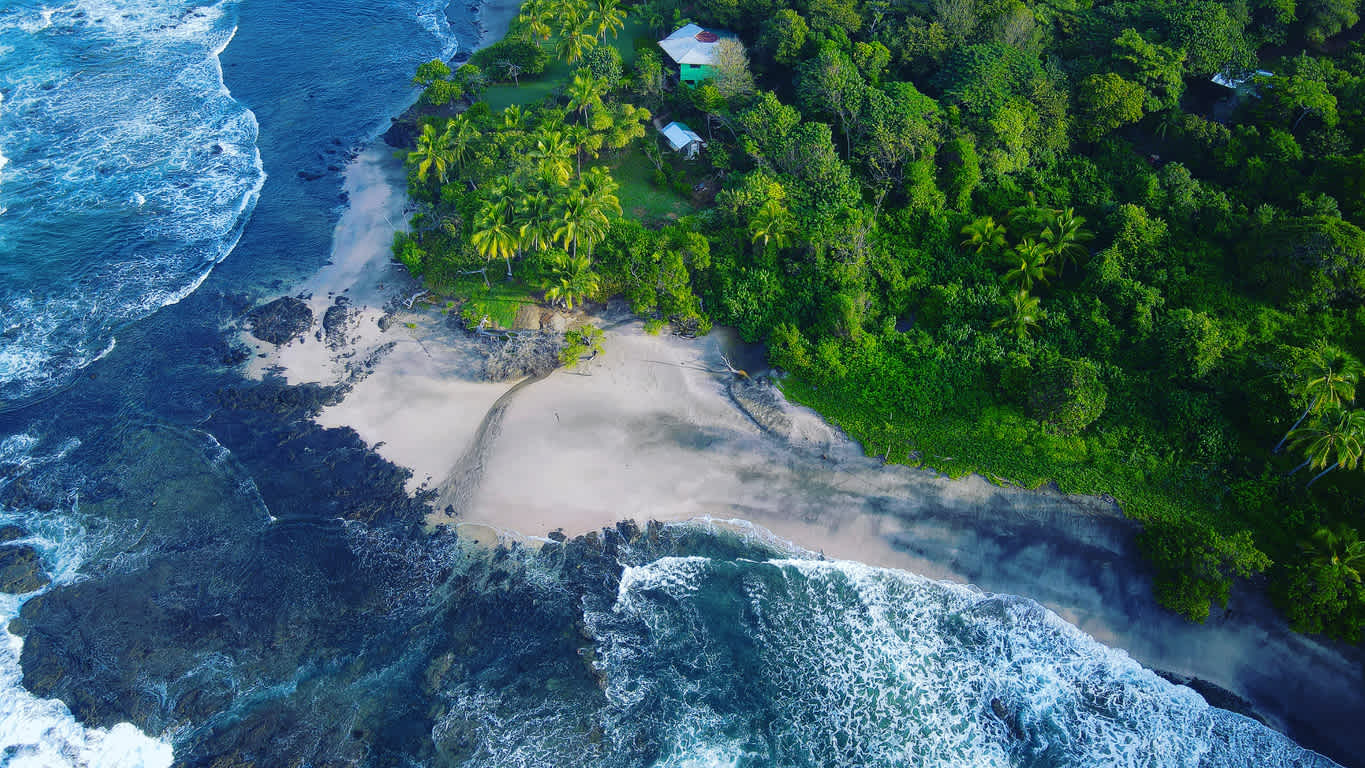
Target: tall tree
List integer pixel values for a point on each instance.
(1326, 377)
(585, 92)
(772, 224)
(493, 236)
(553, 154)
(429, 155)
(984, 236)
(606, 16)
(1064, 237)
(1332, 440)
(731, 67)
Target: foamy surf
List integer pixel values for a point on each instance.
(42, 733)
(128, 174)
(849, 665)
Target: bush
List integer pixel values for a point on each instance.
(604, 61)
(528, 59)
(1067, 395)
(579, 342)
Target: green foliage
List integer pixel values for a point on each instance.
(1195, 564)
(579, 343)
(1068, 395)
(512, 58)
(1107, 102)
(604, 62)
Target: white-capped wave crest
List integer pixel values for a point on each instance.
(129, 173)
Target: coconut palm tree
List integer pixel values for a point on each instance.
(493, 236)
(984, 235)
(574, 280)
(537, 16)
(458, 139)
(573, 42)
(1339, 549)
(535, 212)
(429, 155)
(600, 189)
(1328, 376)
(1023, 315)
(1064, 235)
(606, 16)
(772, 224)
(585, 92)
(1333, 440)
(1033, 266)
(551, 152)
(582, 221)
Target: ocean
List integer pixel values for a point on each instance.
(232, 584)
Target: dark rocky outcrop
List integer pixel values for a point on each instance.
(1215, 695)
(21, 569)
(281, 320)
(335, 320)
(11, 532)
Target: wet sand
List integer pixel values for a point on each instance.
(651, 430)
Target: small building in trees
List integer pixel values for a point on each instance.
(693, 49)
(682, 139)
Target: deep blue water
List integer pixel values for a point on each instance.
(237, 582)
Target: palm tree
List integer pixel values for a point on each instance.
(1032, 267)
(1064, 235)
(494, 237)
(1327, 377)
(536, 15)
(575, 280)
(585, 92)
(551, 152)
(1339, 549)
(535, 210)
(600, 189)
(581, 221)
(1332, 440)
(772, 224)
(983, 235)
(1023, 317)
(573, 42)
(429, 154)
(458, 139)
(606, 16)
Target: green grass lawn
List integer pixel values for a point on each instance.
(500, 300)
(640, 198)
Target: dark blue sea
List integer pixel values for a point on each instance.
(233, 585)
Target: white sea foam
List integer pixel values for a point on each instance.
(41, 733)
(873, 667)
(156, 168)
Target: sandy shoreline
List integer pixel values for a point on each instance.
(651, 430)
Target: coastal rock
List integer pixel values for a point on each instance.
(1215, 695)
(334, 322)
(11, 532)
(21, 569)
(279, 321)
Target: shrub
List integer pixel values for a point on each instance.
(1067, 394)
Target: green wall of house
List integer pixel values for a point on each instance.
(693, 73)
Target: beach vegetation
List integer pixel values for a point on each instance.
(1032, 241)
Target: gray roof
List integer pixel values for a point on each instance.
(684, 47)
(679, 135)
